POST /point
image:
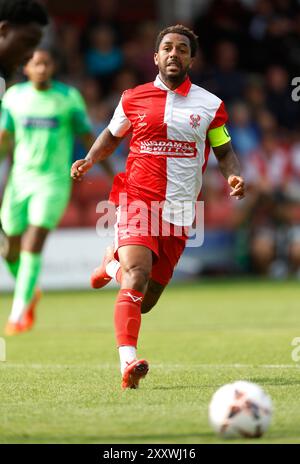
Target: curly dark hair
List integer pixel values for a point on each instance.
(23, 12)
(179, 29)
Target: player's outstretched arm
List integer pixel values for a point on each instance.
(230, 167)
(101, 149)
(88, 139)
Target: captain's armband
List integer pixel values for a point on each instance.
(218, 136)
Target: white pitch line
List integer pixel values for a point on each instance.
(227, 366)
(156, 366)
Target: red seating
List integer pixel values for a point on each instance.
(71, 217)
(92, 187)
(81, 211)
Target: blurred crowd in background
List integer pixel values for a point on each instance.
(249, 53)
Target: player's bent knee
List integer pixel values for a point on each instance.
(136, 277)
(34, 239)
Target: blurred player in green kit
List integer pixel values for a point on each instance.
(21, 29)
(39, 119)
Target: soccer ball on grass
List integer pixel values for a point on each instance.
(240, 409)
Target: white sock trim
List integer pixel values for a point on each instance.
(127, 355)
(17, 311)
(112, 268)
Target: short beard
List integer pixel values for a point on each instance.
(180, 77)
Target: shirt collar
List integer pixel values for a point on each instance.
(182, 90)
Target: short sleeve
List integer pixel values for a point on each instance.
(220, 118)
(119, 124)
(80, 119)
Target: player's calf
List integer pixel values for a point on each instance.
(136, 277)
(9, 246)
(153, 293)
(136, 263)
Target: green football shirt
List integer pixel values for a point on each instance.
(44, 124)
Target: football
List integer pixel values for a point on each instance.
(240, 409)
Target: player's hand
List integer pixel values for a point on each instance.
(237, 185)
(80, 168)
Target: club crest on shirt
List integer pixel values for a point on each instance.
(195, 120)
(141, 118)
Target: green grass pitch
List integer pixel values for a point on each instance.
(61, 382)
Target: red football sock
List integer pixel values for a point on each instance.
(128, 316)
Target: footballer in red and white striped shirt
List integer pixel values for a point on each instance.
(173, 124)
